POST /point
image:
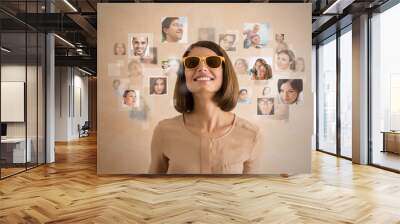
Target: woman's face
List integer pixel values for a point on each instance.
(119, 49)
(257, 65)
(265, 106)
(240, 66)
(203, 80)
(262, 72)
(130, 99)
(283, 61)
(159, 86)
(288, 94)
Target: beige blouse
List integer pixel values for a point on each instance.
(176, 150)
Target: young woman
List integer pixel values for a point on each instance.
(206, 138)
(285, 60)
(261, 70)
(290, 90)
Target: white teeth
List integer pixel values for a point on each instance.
(203, 79)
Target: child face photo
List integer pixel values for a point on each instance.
(174, 29)
(256, 35)
(158, 85)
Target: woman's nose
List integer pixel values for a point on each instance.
(202, 66)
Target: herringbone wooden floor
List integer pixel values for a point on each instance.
(69, 191)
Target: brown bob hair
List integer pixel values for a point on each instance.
(226, 97)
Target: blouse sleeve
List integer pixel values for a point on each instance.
(253, 164)
(159, 163)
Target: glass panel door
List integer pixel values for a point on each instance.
(327, 97)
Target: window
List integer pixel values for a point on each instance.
(327, 96)
(385, 89)
(346, 93)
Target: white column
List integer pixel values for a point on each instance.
(360, 90)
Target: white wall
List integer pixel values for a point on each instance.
(67, 115)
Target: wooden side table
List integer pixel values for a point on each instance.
(391, 141)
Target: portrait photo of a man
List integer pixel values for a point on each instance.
(174, 30)
(140, 44)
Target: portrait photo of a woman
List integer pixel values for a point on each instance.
(261, 70)
(241, 66)
(119, 49)
(158, 85)
(290, 90)
(285, 60)
(206, 138)
(130, 98)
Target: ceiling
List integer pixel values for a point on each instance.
(77, 23)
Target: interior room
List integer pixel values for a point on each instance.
(203, 111)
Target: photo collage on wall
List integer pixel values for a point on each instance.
(270, 81)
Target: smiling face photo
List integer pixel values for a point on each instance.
(140, 44)
(290, 90)
(174, 30)
(256, 35)
(265, 106)
(261, 69)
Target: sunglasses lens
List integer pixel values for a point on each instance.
(192, 62)
(213, 61)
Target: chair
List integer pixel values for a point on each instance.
(84, 130)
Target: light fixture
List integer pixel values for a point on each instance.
(70, 5)
(5, 50)
(84, 71)
(64, 40)
(337, 7)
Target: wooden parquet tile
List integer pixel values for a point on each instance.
(69, 191)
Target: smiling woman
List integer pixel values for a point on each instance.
(206, 138)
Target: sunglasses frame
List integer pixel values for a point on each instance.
(203, 58)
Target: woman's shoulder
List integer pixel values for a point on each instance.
(170, 122)
(247, 126)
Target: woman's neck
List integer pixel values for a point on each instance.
(207, 117)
